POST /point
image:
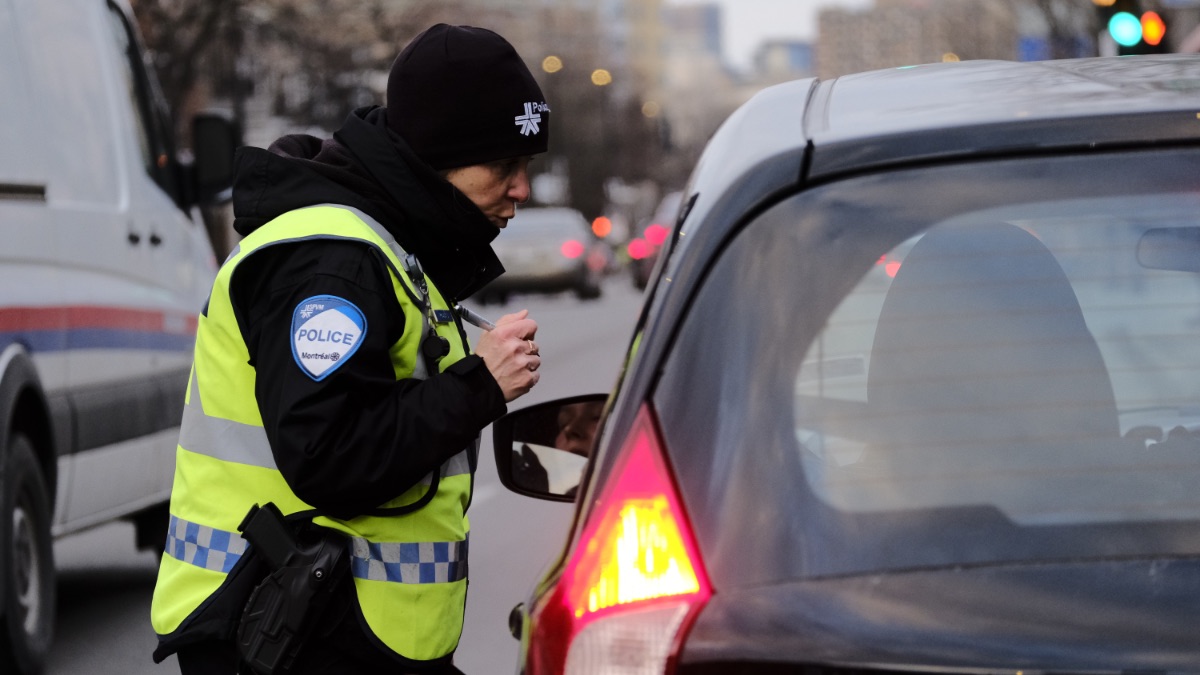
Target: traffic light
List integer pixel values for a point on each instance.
(1154, 29)
(1132, 29)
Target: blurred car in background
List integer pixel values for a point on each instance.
(547, 250)
(643, 249)
(914, 390)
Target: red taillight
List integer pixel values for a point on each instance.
(631, 581)
(572, 249)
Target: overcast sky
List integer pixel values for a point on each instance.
(748, 22)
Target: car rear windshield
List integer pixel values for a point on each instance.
(968, 365)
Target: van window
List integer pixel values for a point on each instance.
(17, 168)
(144, 100)
(67, 66)
(130, 95)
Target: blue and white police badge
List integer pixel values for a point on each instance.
(326, 330)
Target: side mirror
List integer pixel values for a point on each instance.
(541, 450)
(214, 138)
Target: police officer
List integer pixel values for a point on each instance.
(332, 372)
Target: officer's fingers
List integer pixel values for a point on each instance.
(521, 329)
(509, 318)
(527, 329)
(535, 377)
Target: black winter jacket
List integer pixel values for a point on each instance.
(358, 438)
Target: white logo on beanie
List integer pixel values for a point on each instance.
(532, 118)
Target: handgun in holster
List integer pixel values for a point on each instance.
(306, 565)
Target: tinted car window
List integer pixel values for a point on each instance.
(962, 365)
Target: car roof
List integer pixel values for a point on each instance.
(988, 107)
(810, 131)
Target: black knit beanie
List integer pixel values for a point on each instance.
(460, 95)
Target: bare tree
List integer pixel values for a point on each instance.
(185, 39)
(311, 61)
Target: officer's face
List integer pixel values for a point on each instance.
(496, 187)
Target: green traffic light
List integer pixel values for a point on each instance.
(1125, 28)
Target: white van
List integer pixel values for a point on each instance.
(104, 266)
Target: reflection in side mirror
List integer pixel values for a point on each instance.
(541, 451)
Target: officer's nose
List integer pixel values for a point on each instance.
(519, 190)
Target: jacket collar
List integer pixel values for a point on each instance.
(438, 223)
(367, 166)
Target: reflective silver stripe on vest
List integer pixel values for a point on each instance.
(222, 439)
(457, 465)
(204, 546)
(434, 562)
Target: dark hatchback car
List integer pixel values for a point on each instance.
(916, 390)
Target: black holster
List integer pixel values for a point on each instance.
(306, 563)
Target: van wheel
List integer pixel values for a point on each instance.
(27, 562)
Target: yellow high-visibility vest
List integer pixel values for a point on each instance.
(410, 570)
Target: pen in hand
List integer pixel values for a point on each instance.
(473, 318)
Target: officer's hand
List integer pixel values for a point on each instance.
(510, 353)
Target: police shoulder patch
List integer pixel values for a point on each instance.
(326, 331)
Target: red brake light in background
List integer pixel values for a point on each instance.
(656, 234)
(632, 580)
(638, 248)
(601, 227)
(890, 265)
(572, 249)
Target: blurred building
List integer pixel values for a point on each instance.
(700, 88)
(782, 60)
(909, 32)
(696, 27)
